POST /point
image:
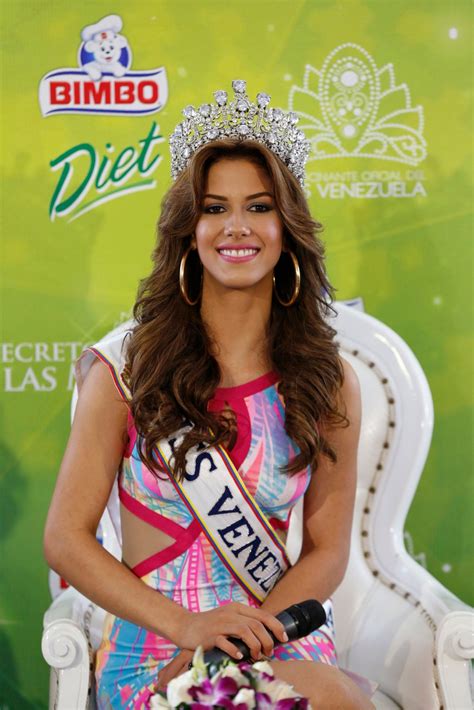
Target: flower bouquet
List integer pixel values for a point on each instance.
(228, 685)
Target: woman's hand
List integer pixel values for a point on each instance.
(211, 628)
(174, 668)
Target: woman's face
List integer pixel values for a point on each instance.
(239, 236)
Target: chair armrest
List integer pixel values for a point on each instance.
(64, 644)
(387, 624)
(452, 622)
(73, 606)
(454, 639)
(454, 652)
(66, 649)
(72, 630)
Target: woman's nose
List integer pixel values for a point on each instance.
(235, 226)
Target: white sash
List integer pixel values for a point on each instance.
(230, 517)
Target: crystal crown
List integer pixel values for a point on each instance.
(240, 119)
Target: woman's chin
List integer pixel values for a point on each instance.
(244, 285)
(254, 281)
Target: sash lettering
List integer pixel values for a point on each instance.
(197, 466)
(242, 528)
(217, 507)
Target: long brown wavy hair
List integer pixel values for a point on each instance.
(170, 369)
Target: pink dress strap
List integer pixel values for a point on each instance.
(184, 537)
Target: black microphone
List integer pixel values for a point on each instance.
(299, 620)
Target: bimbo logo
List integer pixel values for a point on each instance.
(104, 83)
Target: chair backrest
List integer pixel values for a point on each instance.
(396, 430)
(378, 598)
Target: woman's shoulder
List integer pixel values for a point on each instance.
(349, 392)
(351, 380)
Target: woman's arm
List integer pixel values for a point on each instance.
(85, 479)
(327, 516)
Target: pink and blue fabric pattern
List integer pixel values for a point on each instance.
(189, 571)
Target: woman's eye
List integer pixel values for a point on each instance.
(210, 209)
(266, 208)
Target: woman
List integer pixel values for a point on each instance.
(230, 339)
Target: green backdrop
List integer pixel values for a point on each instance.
(397, 215)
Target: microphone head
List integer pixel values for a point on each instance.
(309, 615)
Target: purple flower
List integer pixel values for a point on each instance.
(292, 704)
(224, 703)
(210, 694)
(245, 667)
(264, 701)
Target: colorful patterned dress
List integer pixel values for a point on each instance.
(189, 571)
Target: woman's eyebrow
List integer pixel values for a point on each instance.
(249, 197)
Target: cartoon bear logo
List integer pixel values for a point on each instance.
(104, 49)
(104, 83)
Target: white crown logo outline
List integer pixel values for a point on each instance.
(364, 113)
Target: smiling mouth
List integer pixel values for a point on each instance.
(238, 255)
(238, 252)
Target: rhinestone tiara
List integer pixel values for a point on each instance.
(240, 119)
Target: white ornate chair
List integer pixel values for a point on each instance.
(395, 623)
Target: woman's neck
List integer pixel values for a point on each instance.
(237, 322)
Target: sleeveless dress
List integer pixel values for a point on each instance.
(189, 571)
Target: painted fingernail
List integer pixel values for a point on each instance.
(239, 654)
(285, 636)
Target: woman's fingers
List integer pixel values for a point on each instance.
(253, 634)
(270, 621)
(256, 637)
(174, 668)
(255, 627)
(164, 676)
(266, 642)
(226, 645)
(184, 668)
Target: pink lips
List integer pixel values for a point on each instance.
(238, 259)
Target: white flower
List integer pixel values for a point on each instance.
(280, 689)
(263, 666)
(177, 689)
(158, 702)
(245, 695)
(199, 663)
(231, 671)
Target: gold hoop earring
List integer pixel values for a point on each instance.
(182, 285)
(296, 289)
